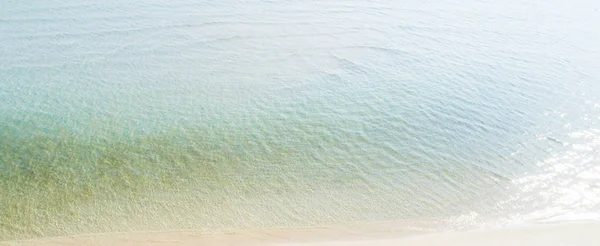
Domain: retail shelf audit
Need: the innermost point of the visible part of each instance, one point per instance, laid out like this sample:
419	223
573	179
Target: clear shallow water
142	115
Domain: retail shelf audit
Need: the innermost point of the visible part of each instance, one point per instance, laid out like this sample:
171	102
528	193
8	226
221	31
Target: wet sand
580	233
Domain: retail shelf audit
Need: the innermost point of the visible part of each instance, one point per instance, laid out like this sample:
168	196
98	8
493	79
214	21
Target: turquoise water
229	115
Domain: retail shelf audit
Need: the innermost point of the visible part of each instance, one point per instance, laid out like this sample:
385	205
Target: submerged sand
580	233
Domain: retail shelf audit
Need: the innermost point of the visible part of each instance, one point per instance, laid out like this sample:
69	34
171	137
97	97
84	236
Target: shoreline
371	230
384	234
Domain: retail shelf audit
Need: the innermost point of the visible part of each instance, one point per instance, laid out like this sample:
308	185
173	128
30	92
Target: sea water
231	115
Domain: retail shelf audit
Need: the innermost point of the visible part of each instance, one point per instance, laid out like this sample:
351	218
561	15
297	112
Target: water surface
230	115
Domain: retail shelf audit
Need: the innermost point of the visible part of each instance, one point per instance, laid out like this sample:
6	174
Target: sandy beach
580	233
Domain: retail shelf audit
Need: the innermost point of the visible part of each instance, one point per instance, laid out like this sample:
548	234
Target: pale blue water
229	115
